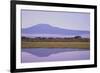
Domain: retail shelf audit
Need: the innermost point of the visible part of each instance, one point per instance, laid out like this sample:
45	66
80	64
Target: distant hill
51	31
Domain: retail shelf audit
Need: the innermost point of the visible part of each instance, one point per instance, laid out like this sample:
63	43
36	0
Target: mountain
46	29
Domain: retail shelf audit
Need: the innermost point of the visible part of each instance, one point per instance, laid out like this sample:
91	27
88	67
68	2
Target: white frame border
20	65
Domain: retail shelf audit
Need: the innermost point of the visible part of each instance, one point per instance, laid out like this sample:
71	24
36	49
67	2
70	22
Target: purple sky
67	20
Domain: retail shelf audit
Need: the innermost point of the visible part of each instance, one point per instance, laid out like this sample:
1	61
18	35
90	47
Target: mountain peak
49	29
42	25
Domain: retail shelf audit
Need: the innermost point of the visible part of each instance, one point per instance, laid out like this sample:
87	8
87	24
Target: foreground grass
46	44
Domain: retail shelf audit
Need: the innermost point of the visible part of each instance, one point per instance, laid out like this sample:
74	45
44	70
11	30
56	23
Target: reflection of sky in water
48	51
54	54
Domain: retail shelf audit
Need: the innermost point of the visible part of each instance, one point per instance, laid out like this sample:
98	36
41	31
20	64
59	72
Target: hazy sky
67	20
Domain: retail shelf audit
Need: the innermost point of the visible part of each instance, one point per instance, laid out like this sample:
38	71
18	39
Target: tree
77	37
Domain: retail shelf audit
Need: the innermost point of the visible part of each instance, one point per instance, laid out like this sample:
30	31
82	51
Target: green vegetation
55	44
